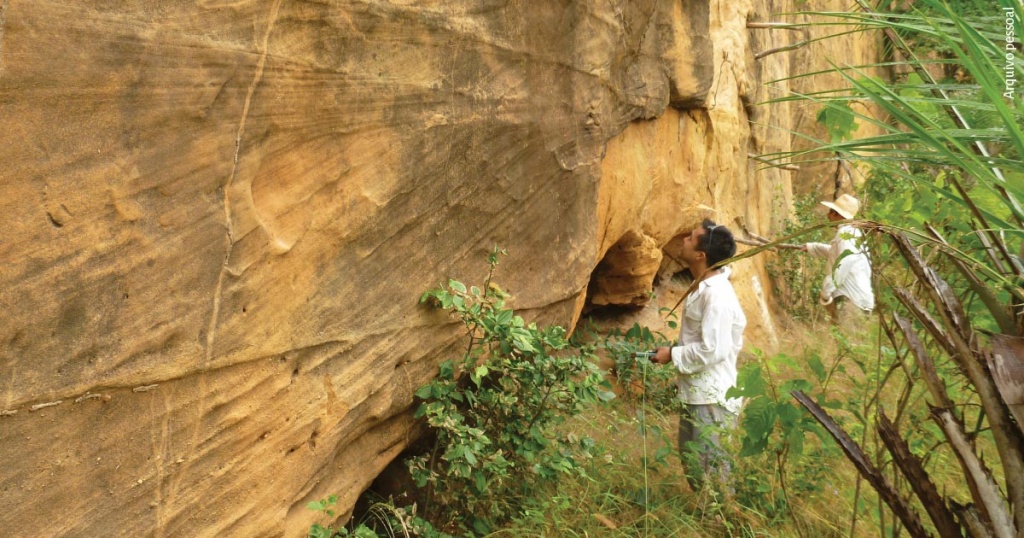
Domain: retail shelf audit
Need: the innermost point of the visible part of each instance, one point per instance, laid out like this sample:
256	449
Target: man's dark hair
717	242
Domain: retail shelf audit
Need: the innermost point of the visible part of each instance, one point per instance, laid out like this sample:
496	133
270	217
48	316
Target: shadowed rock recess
217	216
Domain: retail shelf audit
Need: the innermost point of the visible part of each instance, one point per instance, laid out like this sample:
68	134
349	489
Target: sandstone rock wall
827	47
217	217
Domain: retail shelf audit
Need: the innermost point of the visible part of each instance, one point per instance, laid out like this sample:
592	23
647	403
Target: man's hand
663	355
803	248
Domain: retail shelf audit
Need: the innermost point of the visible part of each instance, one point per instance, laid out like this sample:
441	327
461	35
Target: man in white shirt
847	277
710	338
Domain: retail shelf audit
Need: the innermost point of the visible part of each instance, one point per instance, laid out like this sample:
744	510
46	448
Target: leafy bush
796	277
384	517
774	430
495	410
649	390
635	373
319	531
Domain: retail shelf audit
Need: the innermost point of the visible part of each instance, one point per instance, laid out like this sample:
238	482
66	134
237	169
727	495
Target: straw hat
846	205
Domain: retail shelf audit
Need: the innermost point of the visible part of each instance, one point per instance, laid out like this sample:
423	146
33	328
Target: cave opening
623	280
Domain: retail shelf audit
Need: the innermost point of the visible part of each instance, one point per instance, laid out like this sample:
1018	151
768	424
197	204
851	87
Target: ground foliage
495	411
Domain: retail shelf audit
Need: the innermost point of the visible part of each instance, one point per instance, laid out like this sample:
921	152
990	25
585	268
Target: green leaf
457	286
796	384
503	317
817	367
749	382
788	416
838	119
480	482
362	531
784	360
319	531
758	421
481	526
420	411
795	440
425	392
831	404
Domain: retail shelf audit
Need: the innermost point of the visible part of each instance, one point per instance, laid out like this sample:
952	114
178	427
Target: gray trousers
700	443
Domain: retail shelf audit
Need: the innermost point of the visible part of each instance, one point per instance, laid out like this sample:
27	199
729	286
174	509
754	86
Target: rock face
827	178
218	216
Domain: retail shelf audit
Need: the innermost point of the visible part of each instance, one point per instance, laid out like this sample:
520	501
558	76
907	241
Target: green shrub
636	374
795	276
495	411
319	531
774	430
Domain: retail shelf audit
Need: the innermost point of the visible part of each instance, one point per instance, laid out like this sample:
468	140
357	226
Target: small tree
495	409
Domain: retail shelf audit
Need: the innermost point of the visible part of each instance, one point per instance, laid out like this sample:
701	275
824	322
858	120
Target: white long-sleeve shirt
710	339
852	277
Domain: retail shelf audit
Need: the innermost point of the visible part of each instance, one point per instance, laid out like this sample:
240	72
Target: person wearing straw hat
848	275
710	339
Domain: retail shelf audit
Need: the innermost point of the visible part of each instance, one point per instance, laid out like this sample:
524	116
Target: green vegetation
496	426
320	531
594	464
796	277
947	176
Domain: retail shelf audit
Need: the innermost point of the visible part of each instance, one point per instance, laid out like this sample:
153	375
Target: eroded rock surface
218	217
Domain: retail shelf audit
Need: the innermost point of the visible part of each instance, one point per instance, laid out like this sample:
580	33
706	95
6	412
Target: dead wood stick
774	25
888	493
769	52
789	246
920	482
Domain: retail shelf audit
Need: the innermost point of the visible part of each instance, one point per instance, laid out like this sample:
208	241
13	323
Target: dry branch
788	246
930	324
1001	314
774	25
920	482
985	490
931	377
769	52
963	347
1007	365
970	518
855	454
